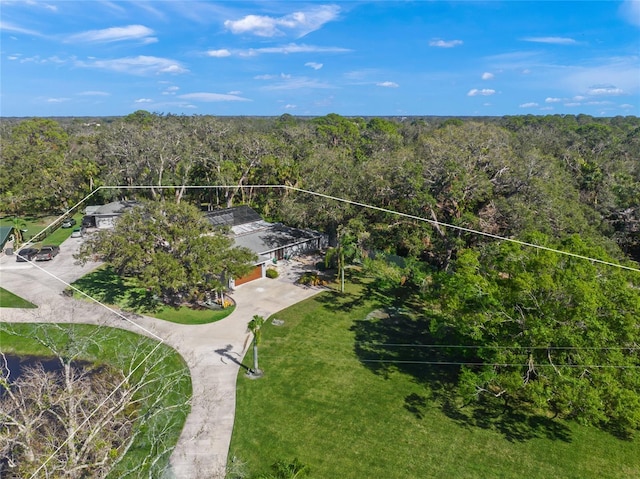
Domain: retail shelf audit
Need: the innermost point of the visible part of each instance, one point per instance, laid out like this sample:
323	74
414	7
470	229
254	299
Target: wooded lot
541	329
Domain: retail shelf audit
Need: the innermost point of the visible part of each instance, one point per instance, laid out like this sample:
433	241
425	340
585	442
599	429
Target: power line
383	210
525	364
462	346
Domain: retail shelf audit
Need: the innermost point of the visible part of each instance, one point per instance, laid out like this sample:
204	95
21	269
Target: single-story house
270	241
104	216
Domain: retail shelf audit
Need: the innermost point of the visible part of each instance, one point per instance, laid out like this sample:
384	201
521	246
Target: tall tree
172	249
552	331
35	171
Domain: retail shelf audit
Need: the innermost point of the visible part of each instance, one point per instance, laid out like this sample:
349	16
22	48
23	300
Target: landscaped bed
326	401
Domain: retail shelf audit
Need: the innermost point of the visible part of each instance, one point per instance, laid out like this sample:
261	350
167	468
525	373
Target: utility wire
385	210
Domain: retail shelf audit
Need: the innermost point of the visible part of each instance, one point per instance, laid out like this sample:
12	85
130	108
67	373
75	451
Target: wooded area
564	182
507	176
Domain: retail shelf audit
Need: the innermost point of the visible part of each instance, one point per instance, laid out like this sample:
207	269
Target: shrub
272	273
312	279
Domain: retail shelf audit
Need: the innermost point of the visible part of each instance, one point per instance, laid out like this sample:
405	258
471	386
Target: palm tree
348	250
255	326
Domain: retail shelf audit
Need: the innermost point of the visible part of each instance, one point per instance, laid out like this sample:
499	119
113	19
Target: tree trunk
255	356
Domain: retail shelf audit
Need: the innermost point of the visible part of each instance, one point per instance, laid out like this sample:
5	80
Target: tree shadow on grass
141	300
368	292
390	340
104	285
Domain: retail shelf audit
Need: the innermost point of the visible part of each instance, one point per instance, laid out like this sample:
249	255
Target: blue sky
396	58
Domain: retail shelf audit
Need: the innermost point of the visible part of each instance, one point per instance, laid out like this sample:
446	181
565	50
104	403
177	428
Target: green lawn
117	347
10	300
320	402
107	287
36	225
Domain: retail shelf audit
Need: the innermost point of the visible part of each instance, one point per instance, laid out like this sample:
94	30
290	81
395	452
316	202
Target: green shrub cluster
272	273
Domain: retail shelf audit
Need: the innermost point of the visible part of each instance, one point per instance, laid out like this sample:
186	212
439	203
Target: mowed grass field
343	417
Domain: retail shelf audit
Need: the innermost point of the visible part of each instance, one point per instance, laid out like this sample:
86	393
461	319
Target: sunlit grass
320	402
10	300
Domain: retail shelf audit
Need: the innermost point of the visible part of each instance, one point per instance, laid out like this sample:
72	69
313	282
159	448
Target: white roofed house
270	241
104	216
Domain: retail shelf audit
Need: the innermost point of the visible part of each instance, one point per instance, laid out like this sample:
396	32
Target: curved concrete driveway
212	352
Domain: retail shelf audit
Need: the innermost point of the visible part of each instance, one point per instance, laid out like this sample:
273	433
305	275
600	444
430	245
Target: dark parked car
69	223
27	254
47	253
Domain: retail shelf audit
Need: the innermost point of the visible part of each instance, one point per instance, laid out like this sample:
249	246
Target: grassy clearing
10	300
107	287
320	401
117	348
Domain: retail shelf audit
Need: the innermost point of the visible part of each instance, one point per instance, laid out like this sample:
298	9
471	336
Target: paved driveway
210	350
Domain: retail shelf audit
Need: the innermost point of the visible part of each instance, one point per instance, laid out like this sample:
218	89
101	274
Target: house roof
266	240
5	232
251	231
110	209
238	215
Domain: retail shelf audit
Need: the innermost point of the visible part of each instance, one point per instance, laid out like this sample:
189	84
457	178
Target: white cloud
601	90
10	27
271	77
223	52
57	100
573	103
297	23
445	43
630	11
115	34
291	48
388	84
552	100
615	76
143	100
529	105
210	97
171	90
93	93
627	106
140	65
290	107
314	65
483	92
487	76
296	84
234	92
552	40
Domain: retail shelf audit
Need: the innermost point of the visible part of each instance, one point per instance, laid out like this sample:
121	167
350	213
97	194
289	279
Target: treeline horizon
555	174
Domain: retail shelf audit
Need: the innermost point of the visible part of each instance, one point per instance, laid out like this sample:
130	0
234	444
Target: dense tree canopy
172	250
552	331
570	182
